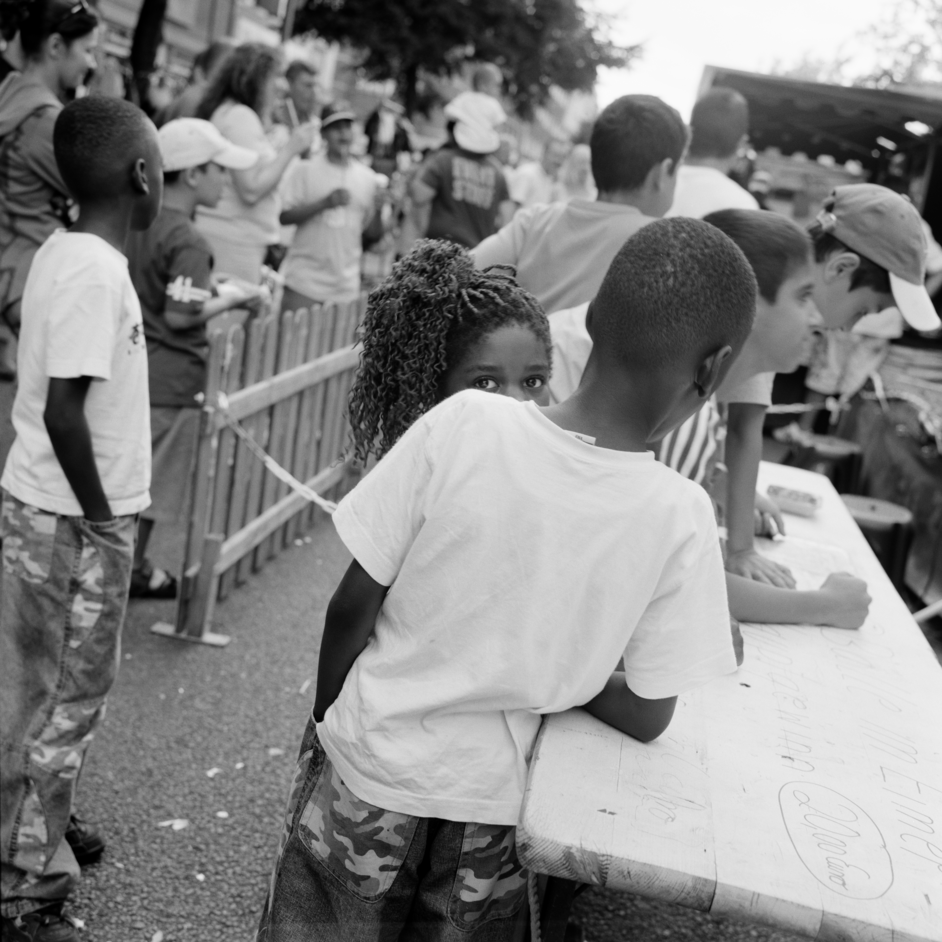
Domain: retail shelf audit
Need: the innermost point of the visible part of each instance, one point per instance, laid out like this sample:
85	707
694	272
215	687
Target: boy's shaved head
97	141
679	288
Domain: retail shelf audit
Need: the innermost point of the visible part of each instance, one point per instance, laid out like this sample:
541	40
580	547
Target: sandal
150	583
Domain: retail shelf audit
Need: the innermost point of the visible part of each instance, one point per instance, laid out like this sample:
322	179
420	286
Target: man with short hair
331	198
534	181
562	250
719	129
300	104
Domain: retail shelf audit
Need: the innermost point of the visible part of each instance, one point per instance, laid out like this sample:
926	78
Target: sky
680	37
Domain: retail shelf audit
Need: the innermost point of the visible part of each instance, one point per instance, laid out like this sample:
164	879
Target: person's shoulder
541	214
363	173
181	232
235	114
83	255
467	404
685	501
472	407
739	196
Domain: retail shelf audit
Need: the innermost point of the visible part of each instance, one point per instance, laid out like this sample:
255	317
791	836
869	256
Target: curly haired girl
437	326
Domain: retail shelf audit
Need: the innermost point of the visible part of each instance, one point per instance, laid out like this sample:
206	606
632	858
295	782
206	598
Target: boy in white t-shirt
506	556
75	479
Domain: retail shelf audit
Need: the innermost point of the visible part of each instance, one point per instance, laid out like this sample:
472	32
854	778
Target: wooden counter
803	791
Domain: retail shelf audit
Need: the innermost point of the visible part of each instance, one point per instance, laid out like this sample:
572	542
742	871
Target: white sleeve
81	326
683	640
379	519
757	390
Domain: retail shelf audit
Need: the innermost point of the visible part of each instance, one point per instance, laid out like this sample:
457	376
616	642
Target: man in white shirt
719	128
562	250
535	181
331	198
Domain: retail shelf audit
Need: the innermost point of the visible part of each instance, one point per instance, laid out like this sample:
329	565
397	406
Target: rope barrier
222	409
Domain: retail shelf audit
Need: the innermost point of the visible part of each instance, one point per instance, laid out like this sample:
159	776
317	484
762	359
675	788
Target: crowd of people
554	544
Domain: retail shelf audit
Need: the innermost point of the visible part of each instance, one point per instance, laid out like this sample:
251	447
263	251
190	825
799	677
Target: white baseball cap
192	142
474	114
887	229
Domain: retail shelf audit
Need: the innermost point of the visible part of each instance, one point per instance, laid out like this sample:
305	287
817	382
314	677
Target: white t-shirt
523	563
704	190
757	390
81	317
530	184
324	259
562	250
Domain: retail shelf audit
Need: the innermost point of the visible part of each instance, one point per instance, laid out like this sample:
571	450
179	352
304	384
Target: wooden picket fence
286	380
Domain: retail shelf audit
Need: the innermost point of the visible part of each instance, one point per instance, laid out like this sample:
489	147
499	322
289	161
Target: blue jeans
62	603
348	871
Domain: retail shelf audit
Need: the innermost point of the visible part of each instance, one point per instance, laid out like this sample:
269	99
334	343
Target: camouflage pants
62	602
348	871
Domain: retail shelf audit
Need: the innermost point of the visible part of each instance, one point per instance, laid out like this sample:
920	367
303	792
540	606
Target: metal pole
287	27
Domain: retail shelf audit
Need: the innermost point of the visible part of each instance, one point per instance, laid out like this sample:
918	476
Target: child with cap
870	253
506	556
171	266
75	479
331	198
462	188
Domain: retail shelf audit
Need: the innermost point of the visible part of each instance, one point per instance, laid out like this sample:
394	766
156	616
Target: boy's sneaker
150	583
85	840
48	924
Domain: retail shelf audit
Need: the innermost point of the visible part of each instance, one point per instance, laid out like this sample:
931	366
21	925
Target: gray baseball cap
886	228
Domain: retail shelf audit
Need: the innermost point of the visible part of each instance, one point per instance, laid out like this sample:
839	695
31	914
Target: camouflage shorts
64	594
348	870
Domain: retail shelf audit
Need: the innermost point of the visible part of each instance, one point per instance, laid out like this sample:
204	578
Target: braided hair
419	323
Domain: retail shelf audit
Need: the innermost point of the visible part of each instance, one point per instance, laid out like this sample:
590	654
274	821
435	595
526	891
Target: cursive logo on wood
838	842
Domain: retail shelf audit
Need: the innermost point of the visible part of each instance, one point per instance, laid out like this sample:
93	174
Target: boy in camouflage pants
75	479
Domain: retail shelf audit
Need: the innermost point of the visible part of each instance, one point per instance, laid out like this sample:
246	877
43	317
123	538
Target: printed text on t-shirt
473	182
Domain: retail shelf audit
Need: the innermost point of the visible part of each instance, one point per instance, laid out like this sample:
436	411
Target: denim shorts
349	871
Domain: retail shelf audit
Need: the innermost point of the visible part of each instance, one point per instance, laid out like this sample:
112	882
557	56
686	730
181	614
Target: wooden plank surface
225	462
292	407
303	444
244	459
261	424
278	437
803	791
